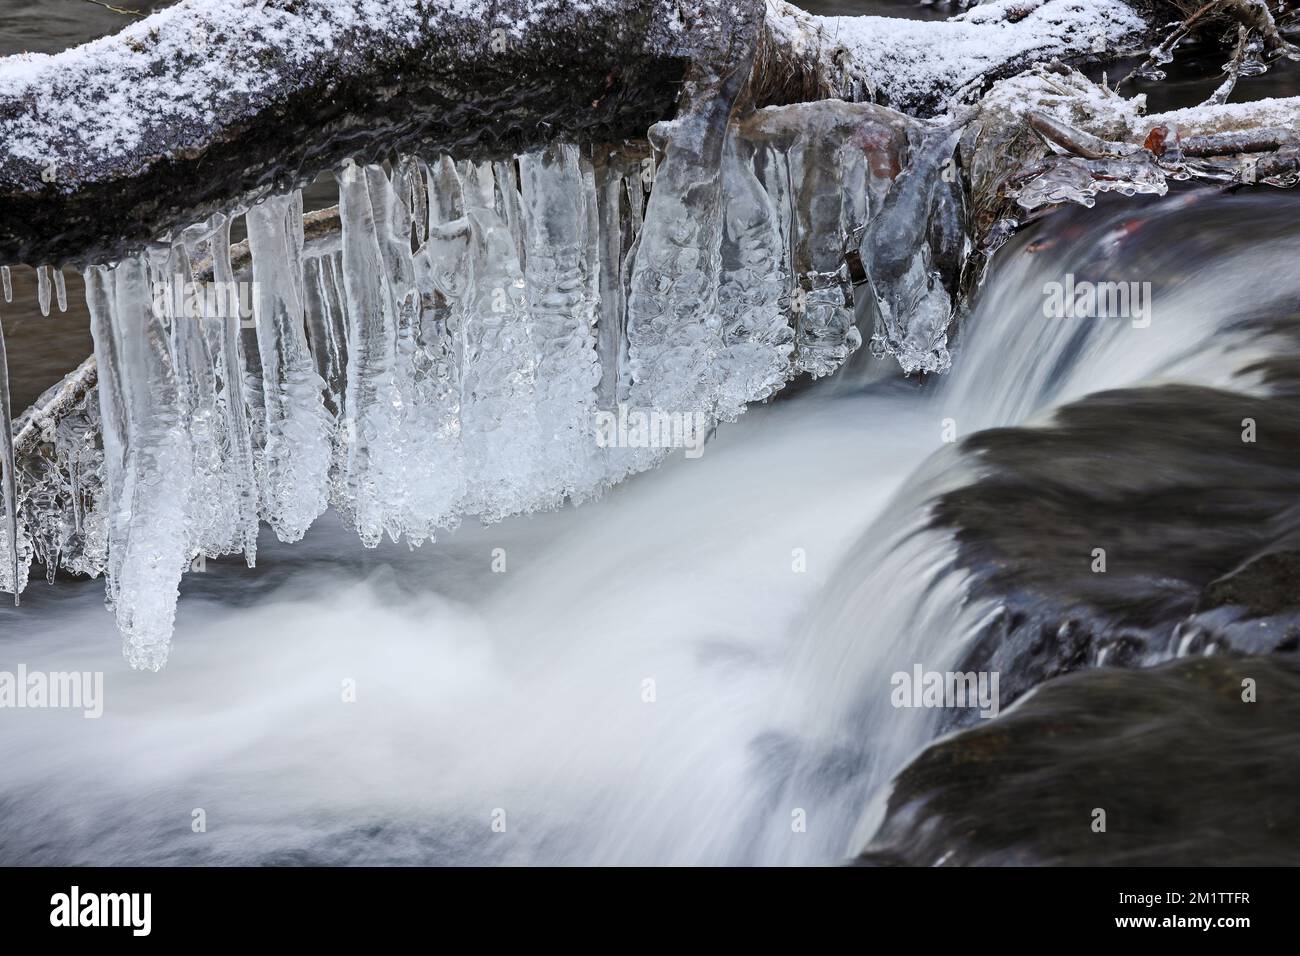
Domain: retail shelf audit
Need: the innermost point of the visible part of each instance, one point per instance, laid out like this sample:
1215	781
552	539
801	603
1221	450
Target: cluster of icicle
447	353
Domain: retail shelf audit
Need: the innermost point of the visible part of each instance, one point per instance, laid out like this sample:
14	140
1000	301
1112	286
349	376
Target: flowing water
681	672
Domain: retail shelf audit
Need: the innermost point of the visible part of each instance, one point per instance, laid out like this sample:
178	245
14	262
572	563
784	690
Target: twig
121	10
1256	140
1076	140
1232	68
1166	48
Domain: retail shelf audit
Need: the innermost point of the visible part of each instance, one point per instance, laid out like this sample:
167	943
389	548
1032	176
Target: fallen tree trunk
925	68
205	107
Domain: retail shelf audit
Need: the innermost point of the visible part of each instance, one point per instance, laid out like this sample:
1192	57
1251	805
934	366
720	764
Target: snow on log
923	68
213	101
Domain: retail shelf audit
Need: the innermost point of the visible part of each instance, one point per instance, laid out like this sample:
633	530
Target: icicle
148	542
826	334
619	200
399	462
320	307
371	429
757	338
672	324
197	327
431	482
100	298
10	468
446	192
297	452
443	261
638	186
509	207
442	265
562	288
250	354
591	256
60	290
43	289
298	238
674	333
336	329
6	280
233	377
414	194
498	369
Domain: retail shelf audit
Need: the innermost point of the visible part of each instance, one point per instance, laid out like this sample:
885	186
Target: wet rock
1268	584
1197	530
1185	768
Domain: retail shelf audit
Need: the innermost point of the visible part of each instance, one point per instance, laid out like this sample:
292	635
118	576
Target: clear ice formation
454	348
1078	180
148	451
901	257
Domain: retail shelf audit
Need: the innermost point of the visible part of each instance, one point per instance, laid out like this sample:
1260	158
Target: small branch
1164	53
1075	140
1257	140
53	405
1232	68
109	6
1256	16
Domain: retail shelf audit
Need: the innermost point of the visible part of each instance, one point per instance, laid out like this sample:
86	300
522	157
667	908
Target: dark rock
1187	772
1268	584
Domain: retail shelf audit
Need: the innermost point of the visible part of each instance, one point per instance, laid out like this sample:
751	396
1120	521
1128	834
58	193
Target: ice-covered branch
1050	135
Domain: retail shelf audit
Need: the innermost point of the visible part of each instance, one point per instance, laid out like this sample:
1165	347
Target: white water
523	691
